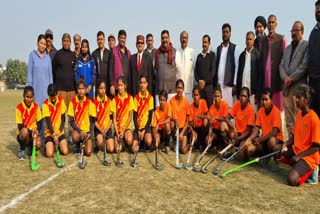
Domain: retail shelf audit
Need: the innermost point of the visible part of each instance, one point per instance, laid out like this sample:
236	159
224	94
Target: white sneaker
313	178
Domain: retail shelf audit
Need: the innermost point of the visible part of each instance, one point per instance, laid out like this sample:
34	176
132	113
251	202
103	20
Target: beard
318	16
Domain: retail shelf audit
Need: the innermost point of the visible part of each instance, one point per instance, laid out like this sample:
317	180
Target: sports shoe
313	178
225	156
70	140
275	168
77	149
22	155
28	151
96	150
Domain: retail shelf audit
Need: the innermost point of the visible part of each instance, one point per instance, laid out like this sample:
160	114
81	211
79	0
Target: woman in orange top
105	109
180	109
301	151
161	121
217	114
269	121
198	126
243	111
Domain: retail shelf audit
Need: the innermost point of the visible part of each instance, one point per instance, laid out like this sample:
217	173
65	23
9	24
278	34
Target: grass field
101	189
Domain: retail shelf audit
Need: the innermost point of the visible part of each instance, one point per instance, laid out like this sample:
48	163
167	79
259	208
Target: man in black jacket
102	59
205	71
249	69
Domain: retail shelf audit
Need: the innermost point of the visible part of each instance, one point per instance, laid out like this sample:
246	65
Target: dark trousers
315	100
207	94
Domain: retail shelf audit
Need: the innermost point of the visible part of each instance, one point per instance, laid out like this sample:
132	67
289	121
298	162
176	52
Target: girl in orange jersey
180	109
301	151
198	125
243	112
29	120
105	108
161	121
217	114
269	121
124	112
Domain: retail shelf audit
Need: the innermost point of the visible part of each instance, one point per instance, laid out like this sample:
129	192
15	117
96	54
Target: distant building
2	86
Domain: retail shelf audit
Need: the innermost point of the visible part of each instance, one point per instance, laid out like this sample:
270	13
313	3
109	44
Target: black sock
22	143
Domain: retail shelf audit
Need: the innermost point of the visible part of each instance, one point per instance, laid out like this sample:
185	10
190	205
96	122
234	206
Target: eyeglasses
140	43
49	36
295	30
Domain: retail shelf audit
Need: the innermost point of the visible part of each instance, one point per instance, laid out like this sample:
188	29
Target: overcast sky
22	21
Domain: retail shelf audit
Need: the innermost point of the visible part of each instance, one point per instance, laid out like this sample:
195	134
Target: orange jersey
194	112
123	107
221	112
161	115
54	111
142	105
104	109
306	131
180	110
28	116
268	122
81	111
244	117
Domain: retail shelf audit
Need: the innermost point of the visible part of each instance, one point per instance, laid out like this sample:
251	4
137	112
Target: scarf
163	50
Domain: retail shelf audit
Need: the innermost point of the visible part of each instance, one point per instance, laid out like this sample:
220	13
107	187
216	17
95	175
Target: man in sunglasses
50	49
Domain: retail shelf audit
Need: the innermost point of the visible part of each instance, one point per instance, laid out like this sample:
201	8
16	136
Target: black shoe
96	149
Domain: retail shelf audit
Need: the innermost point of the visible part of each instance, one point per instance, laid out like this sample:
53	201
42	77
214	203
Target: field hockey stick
118	162
59	163
105	158
196	164
34	166
188	166
256	160
204	167
134	164
179	165
82	162
217	170
157	165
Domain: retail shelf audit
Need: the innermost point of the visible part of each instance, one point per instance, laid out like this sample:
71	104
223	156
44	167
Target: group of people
223	97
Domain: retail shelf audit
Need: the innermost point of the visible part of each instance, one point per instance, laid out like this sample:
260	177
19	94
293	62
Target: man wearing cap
111	41
77	45
119	64
185	56
166	67
102	59
150	50
50	49
260	25
140	65
314	60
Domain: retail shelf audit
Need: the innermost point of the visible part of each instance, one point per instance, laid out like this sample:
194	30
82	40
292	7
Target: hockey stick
59	163
204	167
105	158
217	170
196	164
179	165
157	165
188	166
34	166
118	161
256	160
134	164
82	162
